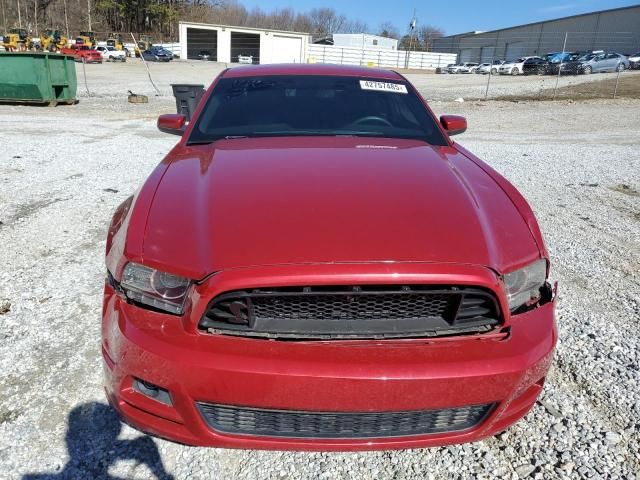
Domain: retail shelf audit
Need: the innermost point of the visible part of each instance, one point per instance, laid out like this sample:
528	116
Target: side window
599	57
612	55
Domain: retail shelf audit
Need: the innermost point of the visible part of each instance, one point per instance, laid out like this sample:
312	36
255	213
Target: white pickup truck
111	54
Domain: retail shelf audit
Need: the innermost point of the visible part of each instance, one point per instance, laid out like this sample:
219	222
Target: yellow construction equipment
143	44
115	40
86	39
17	40
53	40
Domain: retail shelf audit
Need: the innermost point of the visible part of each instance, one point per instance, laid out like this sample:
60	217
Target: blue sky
453	16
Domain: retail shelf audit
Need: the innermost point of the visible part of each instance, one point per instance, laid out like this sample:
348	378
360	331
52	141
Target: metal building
229	44
616	30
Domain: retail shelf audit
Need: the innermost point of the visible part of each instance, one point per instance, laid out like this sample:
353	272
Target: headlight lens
155	288
523	286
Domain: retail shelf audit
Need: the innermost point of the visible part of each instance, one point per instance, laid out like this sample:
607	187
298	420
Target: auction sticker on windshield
383	86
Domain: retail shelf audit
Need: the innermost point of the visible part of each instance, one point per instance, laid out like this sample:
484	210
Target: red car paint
246	213
79	53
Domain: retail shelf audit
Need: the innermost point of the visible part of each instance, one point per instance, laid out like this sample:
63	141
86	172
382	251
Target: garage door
486	54
515	50
245	47
465	55
286	49
201	40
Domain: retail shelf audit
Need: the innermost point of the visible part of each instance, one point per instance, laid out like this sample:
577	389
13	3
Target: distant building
616	30
230	44
357	40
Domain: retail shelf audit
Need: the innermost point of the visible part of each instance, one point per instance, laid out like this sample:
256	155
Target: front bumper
506	368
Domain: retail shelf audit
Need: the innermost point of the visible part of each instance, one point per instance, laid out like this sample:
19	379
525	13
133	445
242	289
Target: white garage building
226	43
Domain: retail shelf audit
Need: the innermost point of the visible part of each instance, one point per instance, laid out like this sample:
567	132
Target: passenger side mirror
453	124
172	123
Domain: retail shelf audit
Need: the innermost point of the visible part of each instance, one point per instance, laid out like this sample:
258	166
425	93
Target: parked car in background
466	67
564	60
112	54
534	66
205	55
515	67
444	69
492	68
255	298
246	59
634	61
157	54
603	62
83	54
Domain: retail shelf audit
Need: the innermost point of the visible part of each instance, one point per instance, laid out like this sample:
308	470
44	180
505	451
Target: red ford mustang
317	266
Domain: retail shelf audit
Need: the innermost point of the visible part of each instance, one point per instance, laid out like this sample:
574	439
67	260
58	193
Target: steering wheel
372	119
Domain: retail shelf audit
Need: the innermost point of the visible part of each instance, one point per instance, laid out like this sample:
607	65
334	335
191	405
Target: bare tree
388	29
426	34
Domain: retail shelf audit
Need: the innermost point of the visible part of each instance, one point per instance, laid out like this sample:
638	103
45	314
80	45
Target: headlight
155	288
523	286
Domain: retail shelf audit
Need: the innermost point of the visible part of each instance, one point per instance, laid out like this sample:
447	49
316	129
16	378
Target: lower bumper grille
297	424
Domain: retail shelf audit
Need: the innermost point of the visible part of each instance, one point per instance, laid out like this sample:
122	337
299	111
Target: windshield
588	56
297	105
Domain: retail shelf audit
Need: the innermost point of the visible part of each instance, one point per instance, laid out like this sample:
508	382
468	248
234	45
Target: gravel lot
63	171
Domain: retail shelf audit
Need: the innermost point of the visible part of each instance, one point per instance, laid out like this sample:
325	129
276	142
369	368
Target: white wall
359	40
378	58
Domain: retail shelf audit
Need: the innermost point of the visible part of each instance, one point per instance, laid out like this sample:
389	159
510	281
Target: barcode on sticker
383	86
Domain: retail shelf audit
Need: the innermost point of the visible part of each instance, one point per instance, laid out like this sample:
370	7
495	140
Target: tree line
160	18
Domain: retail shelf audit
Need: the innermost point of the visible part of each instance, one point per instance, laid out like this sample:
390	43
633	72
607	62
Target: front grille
296	424
387	311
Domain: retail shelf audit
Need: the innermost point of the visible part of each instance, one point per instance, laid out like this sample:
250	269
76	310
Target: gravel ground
63	171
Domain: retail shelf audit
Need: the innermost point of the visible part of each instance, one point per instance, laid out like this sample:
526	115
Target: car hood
269	201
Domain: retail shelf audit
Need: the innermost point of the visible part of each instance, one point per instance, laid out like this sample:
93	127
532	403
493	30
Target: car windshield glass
297	105
588	56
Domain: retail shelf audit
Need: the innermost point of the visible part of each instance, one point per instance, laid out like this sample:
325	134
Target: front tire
620	67
515	71
587	70
494	71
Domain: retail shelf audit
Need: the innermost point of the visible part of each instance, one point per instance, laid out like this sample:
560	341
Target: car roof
312	69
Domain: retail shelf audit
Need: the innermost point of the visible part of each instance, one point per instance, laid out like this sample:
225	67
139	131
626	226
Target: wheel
587	70
620	67
540	71
494	71
111	59
515	71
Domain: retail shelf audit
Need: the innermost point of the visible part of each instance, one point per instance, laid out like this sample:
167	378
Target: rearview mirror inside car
172	123
453	124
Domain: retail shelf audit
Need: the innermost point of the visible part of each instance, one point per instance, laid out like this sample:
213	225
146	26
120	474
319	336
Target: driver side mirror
172	123
453	124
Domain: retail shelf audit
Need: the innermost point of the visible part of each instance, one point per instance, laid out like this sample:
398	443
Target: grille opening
305	424
345	312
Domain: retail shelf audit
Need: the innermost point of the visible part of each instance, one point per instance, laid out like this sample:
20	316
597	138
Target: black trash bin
188	96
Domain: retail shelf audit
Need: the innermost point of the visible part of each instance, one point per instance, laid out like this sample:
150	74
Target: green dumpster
39	78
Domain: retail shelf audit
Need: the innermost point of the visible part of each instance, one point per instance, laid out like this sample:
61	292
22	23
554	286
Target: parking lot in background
108	79
64	170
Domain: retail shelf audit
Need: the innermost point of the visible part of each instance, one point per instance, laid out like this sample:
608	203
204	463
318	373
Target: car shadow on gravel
93	446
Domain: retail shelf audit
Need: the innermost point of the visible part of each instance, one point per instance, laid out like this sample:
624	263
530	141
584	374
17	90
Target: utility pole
412	26
35	15
19	16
